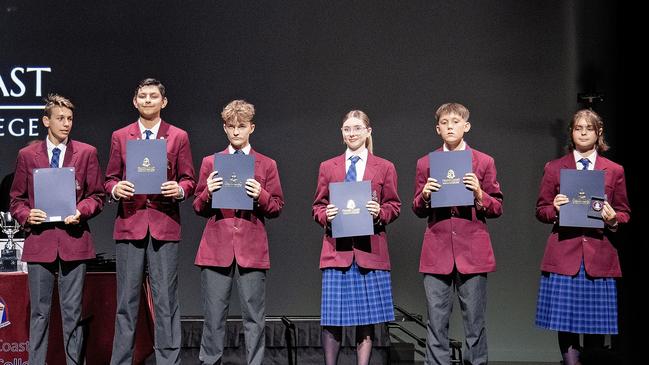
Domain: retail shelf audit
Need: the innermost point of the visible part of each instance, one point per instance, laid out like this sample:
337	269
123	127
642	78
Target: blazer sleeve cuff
263	199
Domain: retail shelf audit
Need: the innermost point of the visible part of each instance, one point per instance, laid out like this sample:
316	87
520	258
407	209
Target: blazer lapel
568	161
163	131
134	131
68	160
40	158
370	167
600	163
257	162
339	169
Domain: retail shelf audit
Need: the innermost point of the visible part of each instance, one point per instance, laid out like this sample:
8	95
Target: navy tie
56	152
351	173
148	134
584	162
239	152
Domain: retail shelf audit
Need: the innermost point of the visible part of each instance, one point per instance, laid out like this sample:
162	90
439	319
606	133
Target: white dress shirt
50	147
592	158
360	165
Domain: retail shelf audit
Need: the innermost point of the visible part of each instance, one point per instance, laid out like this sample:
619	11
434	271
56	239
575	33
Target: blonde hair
359	114
55	100
238	111
452	108
593	119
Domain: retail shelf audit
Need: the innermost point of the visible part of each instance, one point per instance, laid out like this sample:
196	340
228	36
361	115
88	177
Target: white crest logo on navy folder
450	178
233	182
146	166
351	208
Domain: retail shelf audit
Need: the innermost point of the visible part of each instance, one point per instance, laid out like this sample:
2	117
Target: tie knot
56	153
584	162
239	152
148	133
354	159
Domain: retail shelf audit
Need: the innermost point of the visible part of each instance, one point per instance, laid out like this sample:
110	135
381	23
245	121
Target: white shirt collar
62	146
362	154
461	147
245	150
592	158
50	148
153	129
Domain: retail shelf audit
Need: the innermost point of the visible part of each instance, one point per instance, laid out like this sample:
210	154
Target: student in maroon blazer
457	251
57	249
147	227
236	240
581	260
356	287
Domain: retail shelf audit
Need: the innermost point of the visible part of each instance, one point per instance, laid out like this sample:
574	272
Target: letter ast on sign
13	85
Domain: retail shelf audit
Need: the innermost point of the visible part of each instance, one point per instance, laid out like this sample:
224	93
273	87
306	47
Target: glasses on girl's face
356	129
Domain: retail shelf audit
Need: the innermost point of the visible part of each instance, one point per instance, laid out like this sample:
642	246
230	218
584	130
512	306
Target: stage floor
307	344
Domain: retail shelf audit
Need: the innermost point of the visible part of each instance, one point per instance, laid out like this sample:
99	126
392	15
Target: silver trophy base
8	260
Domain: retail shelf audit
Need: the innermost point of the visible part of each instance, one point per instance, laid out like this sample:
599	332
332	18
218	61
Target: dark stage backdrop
517	66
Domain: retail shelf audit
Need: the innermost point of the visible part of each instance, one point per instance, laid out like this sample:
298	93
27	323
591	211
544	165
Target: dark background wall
517	66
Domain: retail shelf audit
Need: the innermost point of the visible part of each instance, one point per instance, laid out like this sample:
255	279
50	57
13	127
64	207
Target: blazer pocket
431	249
481	250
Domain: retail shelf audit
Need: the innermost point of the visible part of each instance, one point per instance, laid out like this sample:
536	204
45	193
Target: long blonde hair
359	114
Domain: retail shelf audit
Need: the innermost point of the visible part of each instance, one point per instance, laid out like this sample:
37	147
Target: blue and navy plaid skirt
355	296
577	304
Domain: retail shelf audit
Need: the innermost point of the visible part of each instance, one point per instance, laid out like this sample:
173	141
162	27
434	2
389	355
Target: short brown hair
452	108
55	100
151	82
593	119
238	111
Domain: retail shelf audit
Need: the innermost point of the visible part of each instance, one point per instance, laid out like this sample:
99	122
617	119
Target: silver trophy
9	258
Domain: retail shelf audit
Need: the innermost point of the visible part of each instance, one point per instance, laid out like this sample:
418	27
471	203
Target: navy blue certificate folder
235	170
146	164
448	168
580	186
55	192
353	218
